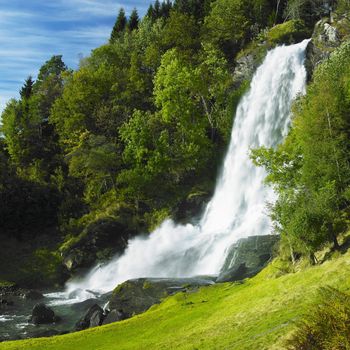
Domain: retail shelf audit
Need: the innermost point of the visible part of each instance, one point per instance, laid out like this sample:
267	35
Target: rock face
325	39
102	238
191	206
138	295
42	314
93	318
247	257
114	316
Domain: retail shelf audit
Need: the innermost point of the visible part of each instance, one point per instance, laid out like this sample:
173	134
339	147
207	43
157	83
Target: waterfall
237	208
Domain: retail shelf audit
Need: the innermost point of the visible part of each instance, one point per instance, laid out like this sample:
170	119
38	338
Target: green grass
257	314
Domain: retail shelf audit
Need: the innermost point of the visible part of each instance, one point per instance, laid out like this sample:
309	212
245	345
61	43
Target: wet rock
11	289
84	305
42	314
314	56
5	304
247	257
114	316
246	66
99	241
93	318
32	295
138	295
191	206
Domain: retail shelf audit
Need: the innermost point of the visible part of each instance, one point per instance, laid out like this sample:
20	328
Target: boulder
247	257
93	318
138	295
100	240
42	314
84	305
192	206
114	316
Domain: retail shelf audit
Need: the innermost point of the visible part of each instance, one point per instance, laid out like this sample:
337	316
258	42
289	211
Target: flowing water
237	208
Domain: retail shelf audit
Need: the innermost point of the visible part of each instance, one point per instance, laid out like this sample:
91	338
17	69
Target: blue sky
31	31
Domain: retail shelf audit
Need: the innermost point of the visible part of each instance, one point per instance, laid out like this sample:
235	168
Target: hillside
256	314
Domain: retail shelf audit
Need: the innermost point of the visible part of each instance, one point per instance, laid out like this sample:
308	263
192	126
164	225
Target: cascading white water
237	208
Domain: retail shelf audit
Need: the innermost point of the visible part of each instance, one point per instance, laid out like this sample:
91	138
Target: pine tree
119	25
27	89
133	20
150	12
165	8
157	13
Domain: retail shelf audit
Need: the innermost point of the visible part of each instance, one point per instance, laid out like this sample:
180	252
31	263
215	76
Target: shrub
326	325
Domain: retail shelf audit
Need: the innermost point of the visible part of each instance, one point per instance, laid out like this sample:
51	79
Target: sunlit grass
257	314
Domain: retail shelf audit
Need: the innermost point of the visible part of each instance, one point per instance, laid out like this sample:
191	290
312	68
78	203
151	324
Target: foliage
326	325
133	22
119	26
310	170
231	24
307	10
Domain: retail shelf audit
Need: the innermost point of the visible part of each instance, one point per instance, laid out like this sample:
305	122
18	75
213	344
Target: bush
326	325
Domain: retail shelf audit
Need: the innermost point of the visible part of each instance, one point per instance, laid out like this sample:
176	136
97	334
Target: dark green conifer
165	8
27	89
157	10
133	20
150	12
119	26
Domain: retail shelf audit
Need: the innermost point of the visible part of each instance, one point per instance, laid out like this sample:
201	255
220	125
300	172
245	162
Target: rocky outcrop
100	240
42	314
192	206
328	34
114	316
93	318
246	66
247	257
138	295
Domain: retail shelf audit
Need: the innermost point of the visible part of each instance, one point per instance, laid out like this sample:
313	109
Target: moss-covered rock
327	36
247	257
289	32
138	295
99	241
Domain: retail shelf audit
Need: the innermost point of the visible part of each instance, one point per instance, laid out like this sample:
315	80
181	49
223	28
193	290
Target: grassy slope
254	315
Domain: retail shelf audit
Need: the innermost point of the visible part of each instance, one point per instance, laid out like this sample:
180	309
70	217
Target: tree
27	89
310	171
157	9
165	8
119	25
150	12
133	20
230	22
182	32
53	67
